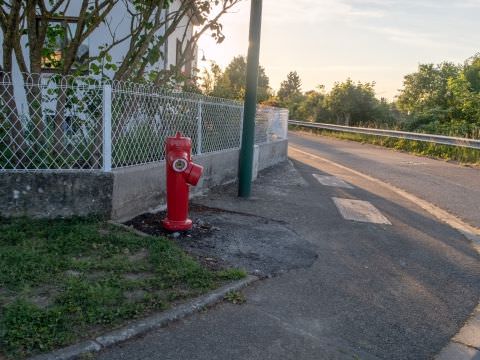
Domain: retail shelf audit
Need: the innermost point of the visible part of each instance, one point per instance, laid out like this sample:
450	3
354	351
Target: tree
387	115
471	71
312	107
210	77
352	103
443	98
290	88
39	21
231	83
464	114
427	88
290	95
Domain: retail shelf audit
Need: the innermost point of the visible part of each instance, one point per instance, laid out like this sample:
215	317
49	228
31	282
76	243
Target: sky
367	40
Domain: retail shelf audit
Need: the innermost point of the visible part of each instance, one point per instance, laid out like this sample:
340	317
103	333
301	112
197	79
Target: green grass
421	148
63	280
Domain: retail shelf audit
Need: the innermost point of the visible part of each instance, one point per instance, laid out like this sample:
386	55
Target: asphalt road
450	186
375	291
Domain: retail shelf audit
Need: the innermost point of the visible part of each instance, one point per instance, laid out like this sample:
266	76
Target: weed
235	297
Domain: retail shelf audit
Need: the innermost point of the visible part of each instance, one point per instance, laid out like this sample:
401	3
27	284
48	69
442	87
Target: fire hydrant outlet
193	174
180	165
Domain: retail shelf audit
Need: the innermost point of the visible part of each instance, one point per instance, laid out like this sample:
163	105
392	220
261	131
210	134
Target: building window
60	32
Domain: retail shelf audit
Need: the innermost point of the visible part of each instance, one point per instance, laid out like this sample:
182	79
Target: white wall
119	22
177	34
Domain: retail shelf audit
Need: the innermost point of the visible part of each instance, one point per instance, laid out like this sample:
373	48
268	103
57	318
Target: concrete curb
465	345
142	326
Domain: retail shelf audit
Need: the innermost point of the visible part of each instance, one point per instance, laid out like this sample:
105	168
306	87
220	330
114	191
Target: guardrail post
199	129
107	128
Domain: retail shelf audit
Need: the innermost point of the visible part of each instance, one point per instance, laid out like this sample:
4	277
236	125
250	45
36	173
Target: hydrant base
171	225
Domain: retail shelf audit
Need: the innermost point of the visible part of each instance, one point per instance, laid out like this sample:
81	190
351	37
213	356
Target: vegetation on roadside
63	280
438	151
231	82
437	98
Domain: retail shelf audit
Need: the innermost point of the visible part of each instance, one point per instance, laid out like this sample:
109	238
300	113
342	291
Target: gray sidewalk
343	289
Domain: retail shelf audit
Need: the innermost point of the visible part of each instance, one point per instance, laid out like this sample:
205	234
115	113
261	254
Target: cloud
432	4
340	68
445	4
418	38
315	11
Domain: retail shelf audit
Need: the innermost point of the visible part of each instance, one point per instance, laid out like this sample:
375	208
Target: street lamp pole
250	107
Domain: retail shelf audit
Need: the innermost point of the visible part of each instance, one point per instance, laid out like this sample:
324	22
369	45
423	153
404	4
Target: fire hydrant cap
194	172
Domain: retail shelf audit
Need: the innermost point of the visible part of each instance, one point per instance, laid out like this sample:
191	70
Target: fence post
107	128
199	129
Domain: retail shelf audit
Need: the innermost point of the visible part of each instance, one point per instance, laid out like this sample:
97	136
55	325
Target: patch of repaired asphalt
221	239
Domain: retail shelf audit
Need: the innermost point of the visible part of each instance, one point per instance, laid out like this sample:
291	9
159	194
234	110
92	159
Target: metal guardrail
437	139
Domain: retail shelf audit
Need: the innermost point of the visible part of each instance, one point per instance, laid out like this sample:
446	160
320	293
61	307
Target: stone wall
55	194
121	194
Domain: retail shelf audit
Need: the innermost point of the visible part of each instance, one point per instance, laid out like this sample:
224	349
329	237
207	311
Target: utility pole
250	107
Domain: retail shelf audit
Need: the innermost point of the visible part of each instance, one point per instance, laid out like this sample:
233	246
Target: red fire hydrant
181	172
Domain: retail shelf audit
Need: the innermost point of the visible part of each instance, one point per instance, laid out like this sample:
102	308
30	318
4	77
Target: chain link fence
53	122
50	122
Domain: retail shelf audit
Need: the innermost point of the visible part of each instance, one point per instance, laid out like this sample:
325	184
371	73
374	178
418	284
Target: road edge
465	345
152	322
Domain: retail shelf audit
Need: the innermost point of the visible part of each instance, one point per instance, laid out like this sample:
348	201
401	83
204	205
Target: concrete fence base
121	194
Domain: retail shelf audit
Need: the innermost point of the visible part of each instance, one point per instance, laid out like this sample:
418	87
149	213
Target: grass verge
64	280
421	148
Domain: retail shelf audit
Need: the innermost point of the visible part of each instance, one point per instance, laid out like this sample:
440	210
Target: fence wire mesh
144	116
50	122
57	122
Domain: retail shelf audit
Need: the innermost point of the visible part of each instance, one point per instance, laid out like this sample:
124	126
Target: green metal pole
250	107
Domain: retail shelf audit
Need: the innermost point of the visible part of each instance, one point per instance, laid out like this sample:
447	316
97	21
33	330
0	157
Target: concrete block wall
55	194
272	153
121	194
142	188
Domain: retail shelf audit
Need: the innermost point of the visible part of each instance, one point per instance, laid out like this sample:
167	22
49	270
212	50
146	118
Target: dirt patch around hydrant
221	239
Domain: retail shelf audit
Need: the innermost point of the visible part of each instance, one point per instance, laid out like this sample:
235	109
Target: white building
118	22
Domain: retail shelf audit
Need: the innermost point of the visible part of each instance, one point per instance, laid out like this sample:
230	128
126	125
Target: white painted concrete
469	335
359	210
456	351
332	181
